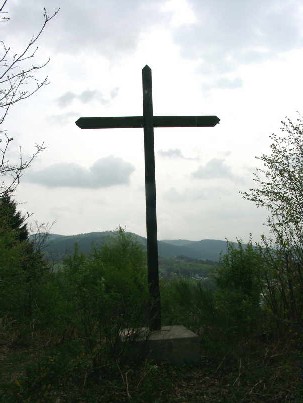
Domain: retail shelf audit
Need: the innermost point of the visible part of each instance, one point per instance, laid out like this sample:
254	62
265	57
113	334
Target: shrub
22	268
239	286
107	290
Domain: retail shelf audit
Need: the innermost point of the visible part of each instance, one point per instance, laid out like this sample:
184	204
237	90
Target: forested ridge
56	247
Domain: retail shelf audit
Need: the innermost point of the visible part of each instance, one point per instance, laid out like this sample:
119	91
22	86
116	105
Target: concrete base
173	344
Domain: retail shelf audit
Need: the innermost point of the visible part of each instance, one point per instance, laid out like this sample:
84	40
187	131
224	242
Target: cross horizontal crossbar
137	121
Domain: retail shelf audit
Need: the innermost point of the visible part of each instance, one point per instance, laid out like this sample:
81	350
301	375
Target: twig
143	376
238	377
84	381
125	381
256	384
219	366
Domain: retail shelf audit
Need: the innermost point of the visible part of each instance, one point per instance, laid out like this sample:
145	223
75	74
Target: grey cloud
86	96
216	168
89	95
173	153
114	93
105	172
226	32
111	171
106	27
240	31
228	83
63	118
194	194
66	99
174	195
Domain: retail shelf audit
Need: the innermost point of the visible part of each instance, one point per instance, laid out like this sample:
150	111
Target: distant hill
59	246
206	249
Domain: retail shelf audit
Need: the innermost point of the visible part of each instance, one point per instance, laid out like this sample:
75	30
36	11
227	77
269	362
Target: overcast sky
241	60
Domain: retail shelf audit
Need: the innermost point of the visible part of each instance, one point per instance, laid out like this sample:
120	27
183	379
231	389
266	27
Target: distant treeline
57	247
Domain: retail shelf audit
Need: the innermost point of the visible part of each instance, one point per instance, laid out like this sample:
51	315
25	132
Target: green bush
188	302
239	286
226	308
107	290
22	269
13	289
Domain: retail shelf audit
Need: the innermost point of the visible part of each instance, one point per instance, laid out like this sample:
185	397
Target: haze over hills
59	246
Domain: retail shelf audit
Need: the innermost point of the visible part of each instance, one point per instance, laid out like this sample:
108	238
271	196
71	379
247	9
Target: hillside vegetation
57	247
60	329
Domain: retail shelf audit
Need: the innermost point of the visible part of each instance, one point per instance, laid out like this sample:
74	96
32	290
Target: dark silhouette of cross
148	121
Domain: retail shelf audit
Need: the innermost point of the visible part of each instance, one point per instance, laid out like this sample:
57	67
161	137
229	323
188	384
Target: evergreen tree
11	219
22	268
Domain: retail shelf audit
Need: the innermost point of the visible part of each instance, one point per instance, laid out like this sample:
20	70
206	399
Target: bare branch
22	56
18	82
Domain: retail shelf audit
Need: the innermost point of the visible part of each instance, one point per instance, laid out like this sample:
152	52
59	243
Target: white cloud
174	153
181	12
106	27
63	118
86	96
227	33
66	99
105	172
225	82
195	194
216	168
171	153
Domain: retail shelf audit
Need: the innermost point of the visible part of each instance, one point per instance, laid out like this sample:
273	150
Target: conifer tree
11	219
22	268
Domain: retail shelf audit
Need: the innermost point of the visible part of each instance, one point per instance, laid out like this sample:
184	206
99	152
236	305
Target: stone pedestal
173	344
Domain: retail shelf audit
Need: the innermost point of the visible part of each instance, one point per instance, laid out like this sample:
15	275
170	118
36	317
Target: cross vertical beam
150	193
148	122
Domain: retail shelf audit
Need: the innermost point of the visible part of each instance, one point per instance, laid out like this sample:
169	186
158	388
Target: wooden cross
148	121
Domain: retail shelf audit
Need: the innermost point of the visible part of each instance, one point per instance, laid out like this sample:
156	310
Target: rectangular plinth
173	344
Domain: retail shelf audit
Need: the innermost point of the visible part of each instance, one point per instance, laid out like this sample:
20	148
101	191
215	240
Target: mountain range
56	247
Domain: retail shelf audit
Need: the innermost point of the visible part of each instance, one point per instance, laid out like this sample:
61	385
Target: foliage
279	184
186	267
279	189
283	285
107	290
76	354
19	80
12	277
239	286
21	267
225	308
188	302
12	219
